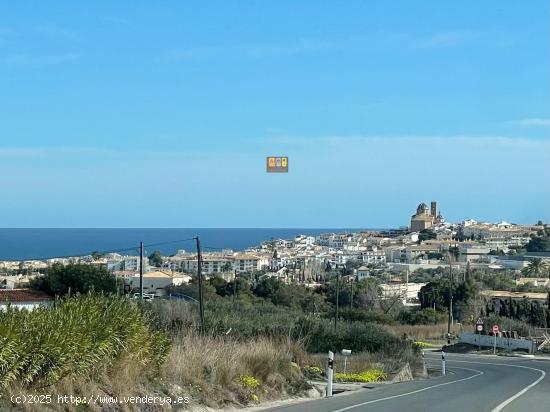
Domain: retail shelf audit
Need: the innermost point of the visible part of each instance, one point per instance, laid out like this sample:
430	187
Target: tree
466	291
537	316
97	255
539	242
275	290
536	268
435	294
155	258
220	285
426	316
366	294
75	278
226	267
426	234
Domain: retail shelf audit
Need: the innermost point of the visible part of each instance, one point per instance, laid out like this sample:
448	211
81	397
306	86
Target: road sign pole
479	341
443	369
496	329
479	329
330	371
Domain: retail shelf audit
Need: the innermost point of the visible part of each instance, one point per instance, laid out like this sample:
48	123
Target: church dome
422	208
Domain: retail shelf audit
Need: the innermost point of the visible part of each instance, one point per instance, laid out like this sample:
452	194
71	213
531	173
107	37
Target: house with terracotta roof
153	282
23	299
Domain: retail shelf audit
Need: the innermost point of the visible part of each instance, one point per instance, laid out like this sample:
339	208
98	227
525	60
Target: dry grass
212	371
209	369
431	333
364	361
357	363
125	378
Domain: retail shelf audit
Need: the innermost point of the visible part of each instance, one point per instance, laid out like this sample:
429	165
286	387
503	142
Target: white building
363	272
130	263
248	263
406	291
28	299
472	251
373	256
153	282
488	231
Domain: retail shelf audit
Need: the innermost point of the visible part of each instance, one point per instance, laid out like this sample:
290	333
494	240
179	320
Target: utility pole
337	299
510	318
235	287
407	287
199	274
450	320
141	270
351	295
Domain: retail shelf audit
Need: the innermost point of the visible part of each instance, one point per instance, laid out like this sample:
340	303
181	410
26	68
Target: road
472	384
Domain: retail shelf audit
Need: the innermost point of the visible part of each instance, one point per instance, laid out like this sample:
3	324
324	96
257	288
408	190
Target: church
425	218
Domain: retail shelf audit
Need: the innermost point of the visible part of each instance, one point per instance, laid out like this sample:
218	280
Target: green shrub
246	320
506	323
357	336
369	316
78	335
426	316
74	278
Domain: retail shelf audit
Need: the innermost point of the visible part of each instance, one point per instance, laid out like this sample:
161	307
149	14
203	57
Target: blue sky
134	114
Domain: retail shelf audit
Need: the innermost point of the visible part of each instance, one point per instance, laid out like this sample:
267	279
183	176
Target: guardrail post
443	370
330	372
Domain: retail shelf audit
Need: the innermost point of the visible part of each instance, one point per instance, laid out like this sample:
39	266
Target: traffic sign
495	328
479	321
479	327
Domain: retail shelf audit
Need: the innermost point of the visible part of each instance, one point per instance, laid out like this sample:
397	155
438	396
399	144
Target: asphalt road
472	384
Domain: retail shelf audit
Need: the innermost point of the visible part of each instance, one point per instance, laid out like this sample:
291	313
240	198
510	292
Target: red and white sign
495	328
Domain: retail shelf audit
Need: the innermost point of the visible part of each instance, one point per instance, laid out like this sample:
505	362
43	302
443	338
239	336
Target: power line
170	242
74	255
77	255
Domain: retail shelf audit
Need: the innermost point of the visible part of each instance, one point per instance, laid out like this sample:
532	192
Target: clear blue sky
160	114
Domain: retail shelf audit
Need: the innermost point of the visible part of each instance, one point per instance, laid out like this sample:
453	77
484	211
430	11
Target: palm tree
535	268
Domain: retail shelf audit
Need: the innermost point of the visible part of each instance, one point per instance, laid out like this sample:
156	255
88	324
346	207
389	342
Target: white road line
479	373
517	395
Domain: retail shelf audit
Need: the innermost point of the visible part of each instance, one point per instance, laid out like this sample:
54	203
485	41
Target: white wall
23	305
504	343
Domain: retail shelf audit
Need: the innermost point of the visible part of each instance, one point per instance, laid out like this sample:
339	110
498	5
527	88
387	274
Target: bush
356	336
75	278
505	323
372	375
369	316
426	316
79	335
244	321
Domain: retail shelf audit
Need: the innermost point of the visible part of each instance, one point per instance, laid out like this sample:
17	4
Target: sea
42	244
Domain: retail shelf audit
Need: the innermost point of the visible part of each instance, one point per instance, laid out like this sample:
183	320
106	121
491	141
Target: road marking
479	373
517	395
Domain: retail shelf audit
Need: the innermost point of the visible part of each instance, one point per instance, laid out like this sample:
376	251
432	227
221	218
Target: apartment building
372	256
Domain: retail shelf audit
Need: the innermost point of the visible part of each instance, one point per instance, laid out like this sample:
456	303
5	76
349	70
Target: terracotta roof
155	274
23	295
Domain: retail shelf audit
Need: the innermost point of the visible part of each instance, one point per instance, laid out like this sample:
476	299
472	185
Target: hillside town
393	257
